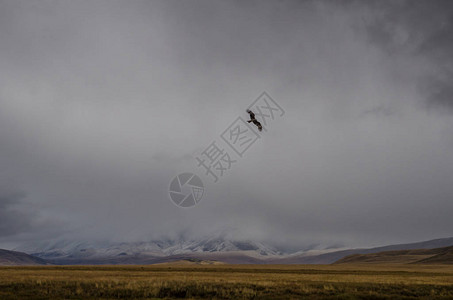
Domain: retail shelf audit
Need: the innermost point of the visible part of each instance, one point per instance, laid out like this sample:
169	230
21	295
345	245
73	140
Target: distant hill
445	257
419	256
216	249
14	258
332	257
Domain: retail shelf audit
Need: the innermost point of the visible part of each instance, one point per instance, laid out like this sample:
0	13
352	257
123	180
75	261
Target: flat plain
212	281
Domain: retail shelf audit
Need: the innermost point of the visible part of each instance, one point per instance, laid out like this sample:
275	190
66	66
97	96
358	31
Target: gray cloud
20	220
13	220
419	33
102	103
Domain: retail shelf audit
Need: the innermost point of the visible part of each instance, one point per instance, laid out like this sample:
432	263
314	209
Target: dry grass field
228	282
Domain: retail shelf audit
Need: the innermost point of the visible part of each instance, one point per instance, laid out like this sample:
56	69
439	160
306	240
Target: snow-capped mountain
161	248
218	249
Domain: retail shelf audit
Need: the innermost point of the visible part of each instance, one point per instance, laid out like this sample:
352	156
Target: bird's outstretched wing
252	115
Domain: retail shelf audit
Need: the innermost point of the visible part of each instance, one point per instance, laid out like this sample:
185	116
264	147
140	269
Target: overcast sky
102	103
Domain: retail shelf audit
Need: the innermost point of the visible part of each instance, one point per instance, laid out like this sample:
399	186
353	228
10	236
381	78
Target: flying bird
254	120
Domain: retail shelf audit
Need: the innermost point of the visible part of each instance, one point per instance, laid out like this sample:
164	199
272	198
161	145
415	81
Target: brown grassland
228	282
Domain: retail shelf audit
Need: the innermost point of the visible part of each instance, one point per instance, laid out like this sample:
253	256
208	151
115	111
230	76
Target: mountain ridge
442	255
213	249
15	258
331	257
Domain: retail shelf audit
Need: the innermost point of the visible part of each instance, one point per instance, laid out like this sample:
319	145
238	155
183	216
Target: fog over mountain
103	102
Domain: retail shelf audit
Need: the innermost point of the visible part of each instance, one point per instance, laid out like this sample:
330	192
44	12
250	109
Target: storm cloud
420	34
103	103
